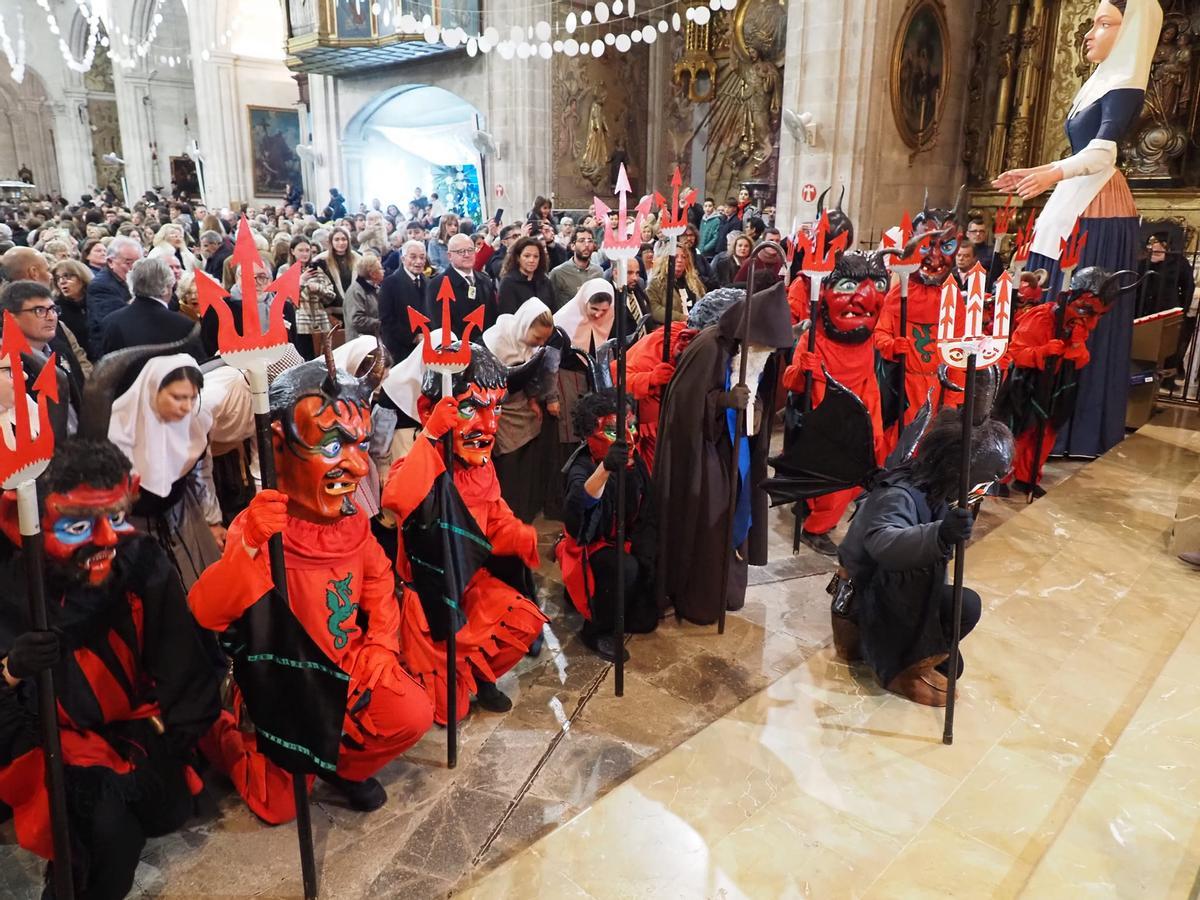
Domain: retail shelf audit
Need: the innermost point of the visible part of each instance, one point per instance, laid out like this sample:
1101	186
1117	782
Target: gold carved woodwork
975	124
1028	81
1068	70
696	69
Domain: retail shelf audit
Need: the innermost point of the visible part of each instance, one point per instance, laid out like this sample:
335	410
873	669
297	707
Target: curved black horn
110	377
821	201
379	364
331	386
959	214
925	203
1115	277
841	198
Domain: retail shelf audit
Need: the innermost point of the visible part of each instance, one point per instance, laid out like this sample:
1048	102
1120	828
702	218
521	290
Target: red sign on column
808	193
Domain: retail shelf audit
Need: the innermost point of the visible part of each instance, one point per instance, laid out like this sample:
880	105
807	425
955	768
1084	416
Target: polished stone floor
752	764
1075	769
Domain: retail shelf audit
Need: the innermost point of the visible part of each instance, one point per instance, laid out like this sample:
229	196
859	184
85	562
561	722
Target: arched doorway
26	134
415	136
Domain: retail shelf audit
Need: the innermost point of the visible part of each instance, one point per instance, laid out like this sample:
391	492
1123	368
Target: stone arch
26	131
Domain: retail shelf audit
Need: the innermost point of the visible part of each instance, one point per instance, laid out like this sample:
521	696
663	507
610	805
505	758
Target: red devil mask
852	296
81	528
937	256
478	419
1029	294
604	435
321	470
1083	311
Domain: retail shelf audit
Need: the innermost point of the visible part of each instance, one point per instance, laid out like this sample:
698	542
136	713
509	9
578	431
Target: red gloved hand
807	361
442	419
1078	354
661	374
527	550
266	515
902	346
1052	348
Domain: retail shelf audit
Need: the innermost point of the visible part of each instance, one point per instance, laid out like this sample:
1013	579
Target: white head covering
403	382
351	354
506	339
585	332
1128	65
226	397
161	452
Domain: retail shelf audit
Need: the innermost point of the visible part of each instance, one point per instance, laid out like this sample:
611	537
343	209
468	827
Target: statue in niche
593	163
1158	144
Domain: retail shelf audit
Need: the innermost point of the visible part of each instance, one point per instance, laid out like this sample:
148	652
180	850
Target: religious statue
593	164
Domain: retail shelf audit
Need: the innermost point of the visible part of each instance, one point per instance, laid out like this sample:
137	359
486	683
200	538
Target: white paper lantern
516	34
610	39
623	43
714	5
585	17
617	7
597	48
557	47
585	49
522	50
636	36
570	47
545	50
570	23
729	5
375	11
631	6
601	12
649	35
451	38
472	46
492	35
431	34
506	49
542	31
702	15
486	44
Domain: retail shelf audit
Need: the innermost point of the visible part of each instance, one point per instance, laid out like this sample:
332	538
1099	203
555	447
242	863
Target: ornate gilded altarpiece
1027	63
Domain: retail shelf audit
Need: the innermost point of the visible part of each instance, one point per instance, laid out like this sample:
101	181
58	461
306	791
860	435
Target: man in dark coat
693	460
136	689
898	548
147	320
471	288
108	292
400	291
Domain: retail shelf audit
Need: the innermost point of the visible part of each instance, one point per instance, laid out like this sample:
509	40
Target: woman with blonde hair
188	298
688	286
361	305
172	235
340	261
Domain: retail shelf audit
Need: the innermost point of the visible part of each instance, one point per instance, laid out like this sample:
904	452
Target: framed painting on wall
920	71
274	136
353	19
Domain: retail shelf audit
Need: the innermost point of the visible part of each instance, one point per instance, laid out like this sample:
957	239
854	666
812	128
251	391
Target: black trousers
110	818
972	608
640	616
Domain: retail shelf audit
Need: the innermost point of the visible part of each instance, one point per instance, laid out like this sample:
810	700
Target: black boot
603	645
819	542
491	698
365	796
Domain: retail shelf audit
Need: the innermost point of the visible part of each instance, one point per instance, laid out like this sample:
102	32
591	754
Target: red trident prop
621	247
1069	251
1024	245
904	262
447	362
968	348
820	256
1004	217
23	457
252	350
672	222
251	346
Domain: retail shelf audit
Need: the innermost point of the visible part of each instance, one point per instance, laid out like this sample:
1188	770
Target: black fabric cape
898	567
692	468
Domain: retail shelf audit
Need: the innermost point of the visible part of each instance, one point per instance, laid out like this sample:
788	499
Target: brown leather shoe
921	682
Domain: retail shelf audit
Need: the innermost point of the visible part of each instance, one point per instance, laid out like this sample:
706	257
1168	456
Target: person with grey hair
471	288
148	319
360	308
109	291
401	290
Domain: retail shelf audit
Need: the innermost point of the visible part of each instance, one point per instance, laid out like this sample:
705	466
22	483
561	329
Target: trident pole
622	433
960	549
453	593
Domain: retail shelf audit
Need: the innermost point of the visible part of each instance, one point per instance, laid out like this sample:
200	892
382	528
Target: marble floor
1075	768
752	764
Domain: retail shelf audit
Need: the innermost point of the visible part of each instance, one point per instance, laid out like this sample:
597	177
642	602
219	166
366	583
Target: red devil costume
646	376
320	676
851	298
1048	348
135	687
495	623
586	552
919	345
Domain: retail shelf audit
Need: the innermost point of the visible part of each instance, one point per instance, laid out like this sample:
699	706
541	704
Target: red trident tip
1005	216
443	356
976	296
820	253
29	454
1070	248
1003	296
948	312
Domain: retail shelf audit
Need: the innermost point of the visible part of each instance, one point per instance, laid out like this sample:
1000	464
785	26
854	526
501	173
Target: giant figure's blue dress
1111	224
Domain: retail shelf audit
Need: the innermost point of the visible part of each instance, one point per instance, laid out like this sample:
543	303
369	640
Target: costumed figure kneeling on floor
495	622
318	675
587	550
698	571
136	689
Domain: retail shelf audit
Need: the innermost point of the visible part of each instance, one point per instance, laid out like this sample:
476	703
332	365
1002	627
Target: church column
41	147
327	169
998	141
352	168
830	56
659	91
1031	60
133	112
73	145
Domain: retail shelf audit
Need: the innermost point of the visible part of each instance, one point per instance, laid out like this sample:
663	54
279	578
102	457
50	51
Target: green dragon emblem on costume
924	341
341	610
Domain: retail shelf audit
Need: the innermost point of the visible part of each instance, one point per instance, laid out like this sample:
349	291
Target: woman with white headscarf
525	441
161	425
1089	188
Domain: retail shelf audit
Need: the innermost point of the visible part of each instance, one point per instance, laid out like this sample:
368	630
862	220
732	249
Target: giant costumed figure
850	300
493	623
1089	187
135	688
